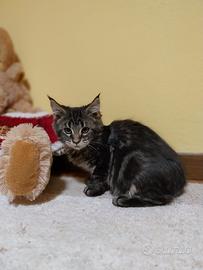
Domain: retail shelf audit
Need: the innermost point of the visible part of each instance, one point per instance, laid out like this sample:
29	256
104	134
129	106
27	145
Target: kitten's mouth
74	147
77	147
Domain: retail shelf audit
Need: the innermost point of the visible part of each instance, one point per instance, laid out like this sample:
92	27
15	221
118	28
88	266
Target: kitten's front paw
93	192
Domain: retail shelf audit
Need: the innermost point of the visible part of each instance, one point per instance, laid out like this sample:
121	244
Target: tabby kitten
126	157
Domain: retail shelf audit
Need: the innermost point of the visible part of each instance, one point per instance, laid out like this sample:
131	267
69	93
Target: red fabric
41	121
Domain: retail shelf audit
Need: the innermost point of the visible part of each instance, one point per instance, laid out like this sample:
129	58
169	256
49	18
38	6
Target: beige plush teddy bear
27	139
14	88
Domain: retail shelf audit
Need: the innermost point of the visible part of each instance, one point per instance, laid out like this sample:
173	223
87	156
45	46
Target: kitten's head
77	126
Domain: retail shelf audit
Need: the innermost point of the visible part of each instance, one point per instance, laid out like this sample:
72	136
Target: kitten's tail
140	201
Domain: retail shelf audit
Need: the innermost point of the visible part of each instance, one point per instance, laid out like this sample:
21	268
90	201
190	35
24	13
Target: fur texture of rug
63	229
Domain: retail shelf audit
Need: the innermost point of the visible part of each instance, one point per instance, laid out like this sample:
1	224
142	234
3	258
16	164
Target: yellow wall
144	56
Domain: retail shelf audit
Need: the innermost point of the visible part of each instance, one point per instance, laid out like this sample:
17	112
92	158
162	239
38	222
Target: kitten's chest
82	160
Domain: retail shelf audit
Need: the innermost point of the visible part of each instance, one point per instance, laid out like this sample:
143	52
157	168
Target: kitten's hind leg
139	200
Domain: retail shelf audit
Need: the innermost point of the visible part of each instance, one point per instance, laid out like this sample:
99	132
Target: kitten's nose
76	141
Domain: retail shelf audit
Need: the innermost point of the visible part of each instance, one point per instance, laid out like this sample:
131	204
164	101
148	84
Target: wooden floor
196	181
193	165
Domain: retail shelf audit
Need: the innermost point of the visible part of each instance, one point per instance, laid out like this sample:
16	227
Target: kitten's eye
85	130
67	130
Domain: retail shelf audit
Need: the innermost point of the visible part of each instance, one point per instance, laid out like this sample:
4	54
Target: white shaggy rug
65	230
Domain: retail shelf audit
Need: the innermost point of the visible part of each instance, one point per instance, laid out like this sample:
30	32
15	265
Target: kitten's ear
94	107
57	109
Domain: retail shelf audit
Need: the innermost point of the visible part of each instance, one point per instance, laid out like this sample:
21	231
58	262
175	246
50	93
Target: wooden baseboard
193	165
